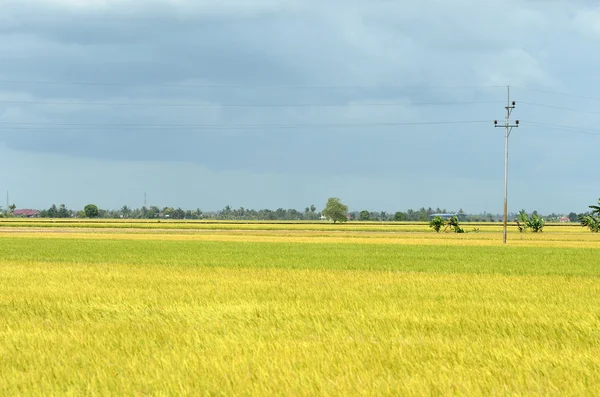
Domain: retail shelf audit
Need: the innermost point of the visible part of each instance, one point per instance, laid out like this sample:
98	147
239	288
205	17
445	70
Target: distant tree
423	215
179	213
63	212
51	212
226	213
280	213
91	211
12	208
364	215
400	216
125	211
313	208
152	212
572	217
335	210
436	223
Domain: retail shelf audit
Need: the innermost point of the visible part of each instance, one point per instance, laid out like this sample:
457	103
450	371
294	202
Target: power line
216	105
226	126
566	128
558	93
558	108
121	84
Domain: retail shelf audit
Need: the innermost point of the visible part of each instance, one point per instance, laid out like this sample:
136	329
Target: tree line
310	213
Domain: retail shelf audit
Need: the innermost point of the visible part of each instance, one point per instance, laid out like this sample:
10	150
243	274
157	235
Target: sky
386	104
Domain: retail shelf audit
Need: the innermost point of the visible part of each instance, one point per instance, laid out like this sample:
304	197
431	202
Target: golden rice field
117	308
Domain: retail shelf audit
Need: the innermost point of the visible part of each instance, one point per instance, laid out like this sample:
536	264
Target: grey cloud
139	47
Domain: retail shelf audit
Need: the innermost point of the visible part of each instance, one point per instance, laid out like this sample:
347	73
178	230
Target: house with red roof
26	213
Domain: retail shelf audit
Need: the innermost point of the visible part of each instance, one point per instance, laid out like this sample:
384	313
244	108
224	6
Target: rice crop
297	312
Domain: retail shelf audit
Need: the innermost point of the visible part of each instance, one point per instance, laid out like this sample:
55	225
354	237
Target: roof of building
26	212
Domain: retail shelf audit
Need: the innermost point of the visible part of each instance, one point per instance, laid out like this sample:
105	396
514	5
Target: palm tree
125	210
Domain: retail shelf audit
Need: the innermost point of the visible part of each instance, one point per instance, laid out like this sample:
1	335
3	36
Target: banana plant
592	220
436	223
596	208
453	224
534	222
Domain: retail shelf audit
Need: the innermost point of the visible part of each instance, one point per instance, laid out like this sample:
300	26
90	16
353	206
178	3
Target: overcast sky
386	104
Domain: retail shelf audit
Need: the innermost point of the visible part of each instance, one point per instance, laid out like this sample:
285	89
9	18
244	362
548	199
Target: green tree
52	212
572	217
364	215
168	212
400	216
152	212
126	211
335	210
436	223
63	212
91	211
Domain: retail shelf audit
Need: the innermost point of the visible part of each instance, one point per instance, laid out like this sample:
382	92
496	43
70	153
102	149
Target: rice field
297	309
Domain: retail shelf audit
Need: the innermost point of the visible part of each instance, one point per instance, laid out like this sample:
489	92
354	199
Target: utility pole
508	128
145	196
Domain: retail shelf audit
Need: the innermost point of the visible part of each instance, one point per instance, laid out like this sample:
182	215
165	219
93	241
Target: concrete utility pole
509	108
145	197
